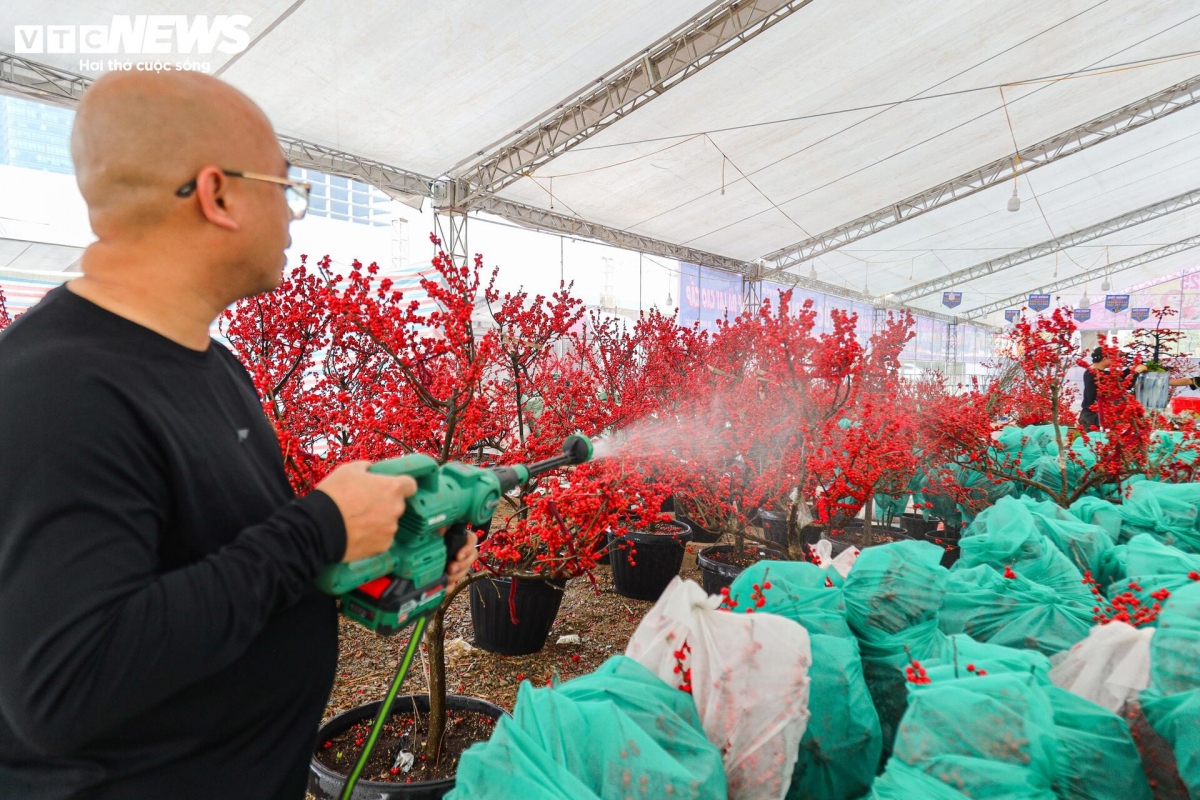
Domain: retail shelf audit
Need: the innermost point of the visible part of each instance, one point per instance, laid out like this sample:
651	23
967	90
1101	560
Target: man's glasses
296	192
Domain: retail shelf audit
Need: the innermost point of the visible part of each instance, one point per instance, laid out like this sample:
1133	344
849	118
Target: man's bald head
138	136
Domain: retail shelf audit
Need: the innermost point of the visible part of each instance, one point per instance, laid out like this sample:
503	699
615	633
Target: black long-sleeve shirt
159	632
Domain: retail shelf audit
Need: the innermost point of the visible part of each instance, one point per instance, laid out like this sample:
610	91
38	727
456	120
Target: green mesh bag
933	491
1084	543
1166	511
979	492
798	591
1026	445
1172	703
1151	566
1096	755
1113	568
1008	534
615	733
902	782
1014	612
1166	446
889	507
892	598
1097	511
842	743
964	652
990	738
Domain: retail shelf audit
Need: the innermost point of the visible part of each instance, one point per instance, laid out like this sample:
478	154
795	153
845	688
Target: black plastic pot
656	558
536	603
947	541
917	526
716	574
775	527
668	506
325	784
700	535
839	544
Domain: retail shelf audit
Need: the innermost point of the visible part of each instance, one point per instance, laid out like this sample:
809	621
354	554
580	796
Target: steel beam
1050	246
884	302
25	78
1101	129
543	220
550	222
399	184
715	32
451	228
1084	277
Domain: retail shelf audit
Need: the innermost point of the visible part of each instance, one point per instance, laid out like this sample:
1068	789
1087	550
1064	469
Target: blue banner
1011	315
951	299
1039	302
1082	314
1116	303
1139	314
707	295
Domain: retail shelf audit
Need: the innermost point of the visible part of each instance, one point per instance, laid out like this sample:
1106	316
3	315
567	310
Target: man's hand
371	506
466	557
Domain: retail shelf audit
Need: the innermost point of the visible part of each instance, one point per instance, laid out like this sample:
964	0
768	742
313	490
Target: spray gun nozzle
578	448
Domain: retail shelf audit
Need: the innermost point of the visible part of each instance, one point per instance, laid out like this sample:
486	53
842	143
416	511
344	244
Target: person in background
1089	418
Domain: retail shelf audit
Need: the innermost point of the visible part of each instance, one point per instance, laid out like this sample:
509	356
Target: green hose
385	708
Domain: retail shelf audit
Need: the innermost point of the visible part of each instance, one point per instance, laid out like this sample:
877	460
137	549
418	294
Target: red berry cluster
979	672
684	672
1125	606
915	673
1008	572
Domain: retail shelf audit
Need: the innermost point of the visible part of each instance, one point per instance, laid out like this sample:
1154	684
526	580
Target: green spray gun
404	584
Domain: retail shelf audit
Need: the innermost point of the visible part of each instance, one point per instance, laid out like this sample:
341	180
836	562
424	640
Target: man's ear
214	197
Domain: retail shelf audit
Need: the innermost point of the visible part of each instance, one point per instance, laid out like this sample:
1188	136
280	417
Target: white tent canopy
796	131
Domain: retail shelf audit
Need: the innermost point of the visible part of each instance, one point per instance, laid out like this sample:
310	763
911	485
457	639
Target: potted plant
1156	348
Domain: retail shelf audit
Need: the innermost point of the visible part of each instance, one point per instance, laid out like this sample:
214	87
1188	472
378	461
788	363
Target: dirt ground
603	623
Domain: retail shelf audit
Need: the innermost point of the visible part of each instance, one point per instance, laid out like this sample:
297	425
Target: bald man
159	631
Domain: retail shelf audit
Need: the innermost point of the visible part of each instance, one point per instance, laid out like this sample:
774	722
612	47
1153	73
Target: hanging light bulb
1106	285
670	300
1014	202
1084	302
812	272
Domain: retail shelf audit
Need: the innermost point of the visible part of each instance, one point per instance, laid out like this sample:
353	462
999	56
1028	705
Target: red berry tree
349	368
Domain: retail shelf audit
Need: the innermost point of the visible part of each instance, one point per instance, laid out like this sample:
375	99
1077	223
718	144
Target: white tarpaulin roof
429	86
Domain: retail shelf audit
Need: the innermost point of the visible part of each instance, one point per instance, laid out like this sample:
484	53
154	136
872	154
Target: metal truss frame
1101	129
26	78
551	222
399	184
705	38
1050	246
1084	277
451	228
952	350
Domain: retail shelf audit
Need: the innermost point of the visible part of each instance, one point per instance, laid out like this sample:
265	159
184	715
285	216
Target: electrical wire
883	111
1084	73
910	147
